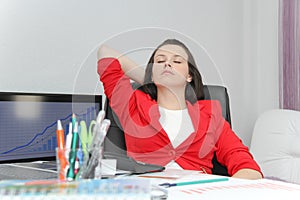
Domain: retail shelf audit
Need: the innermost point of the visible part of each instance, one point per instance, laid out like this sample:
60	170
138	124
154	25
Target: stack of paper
91	189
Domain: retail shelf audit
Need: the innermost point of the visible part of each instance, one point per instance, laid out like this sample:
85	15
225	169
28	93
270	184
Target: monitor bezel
47	97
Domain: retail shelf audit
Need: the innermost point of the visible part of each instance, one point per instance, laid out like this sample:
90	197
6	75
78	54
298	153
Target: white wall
260	78
49	46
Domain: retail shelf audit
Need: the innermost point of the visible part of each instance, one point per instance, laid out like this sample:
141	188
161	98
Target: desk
231	189
237	189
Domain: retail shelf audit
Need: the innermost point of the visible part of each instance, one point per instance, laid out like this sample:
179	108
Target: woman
166	121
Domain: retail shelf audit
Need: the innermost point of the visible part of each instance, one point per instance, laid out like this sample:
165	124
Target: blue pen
80	152
80	155
79	161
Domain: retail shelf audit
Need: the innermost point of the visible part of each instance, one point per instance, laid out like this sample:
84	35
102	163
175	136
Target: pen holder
71	163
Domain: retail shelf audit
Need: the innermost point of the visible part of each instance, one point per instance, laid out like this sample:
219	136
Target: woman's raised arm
129	67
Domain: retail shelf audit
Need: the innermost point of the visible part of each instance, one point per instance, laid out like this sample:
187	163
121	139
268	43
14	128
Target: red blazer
148	142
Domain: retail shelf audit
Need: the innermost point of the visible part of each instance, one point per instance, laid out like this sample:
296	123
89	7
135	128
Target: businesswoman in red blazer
166	121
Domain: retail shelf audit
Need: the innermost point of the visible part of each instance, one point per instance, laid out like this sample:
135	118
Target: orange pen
60	135
60	150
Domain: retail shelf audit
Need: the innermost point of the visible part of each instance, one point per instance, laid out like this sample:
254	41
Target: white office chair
275	144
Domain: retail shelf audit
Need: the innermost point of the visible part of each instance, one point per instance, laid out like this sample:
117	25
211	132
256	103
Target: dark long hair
193	90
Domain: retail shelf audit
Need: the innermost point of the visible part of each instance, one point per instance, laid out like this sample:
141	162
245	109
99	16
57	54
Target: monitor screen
28	122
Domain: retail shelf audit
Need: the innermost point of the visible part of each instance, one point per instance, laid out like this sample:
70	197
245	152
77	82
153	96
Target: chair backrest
115	140
216	92
275	144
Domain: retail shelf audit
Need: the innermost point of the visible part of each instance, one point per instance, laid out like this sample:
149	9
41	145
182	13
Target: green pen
195	182
72	157
73	121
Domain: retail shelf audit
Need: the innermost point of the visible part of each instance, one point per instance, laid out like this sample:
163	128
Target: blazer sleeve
117	86
230	151
122	97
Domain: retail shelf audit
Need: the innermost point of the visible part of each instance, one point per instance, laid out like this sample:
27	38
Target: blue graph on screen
36	135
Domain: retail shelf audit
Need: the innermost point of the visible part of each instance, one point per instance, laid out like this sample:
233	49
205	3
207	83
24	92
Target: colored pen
72	158
60	135
73	121
60	153
195	182
69	137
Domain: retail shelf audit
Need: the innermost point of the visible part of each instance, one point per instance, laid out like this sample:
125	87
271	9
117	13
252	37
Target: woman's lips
166	72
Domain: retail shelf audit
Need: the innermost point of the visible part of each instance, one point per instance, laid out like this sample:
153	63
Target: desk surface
237	189
230	188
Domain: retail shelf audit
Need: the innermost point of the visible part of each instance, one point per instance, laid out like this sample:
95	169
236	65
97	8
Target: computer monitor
28	122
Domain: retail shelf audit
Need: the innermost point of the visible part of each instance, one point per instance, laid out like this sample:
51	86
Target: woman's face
170	67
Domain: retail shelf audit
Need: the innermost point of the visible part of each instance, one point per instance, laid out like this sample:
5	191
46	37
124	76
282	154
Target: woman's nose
168	63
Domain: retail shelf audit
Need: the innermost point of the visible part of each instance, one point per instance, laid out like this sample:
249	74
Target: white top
178	125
